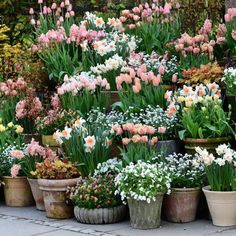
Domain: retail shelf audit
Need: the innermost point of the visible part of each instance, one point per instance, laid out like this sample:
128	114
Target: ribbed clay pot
17	192
210	144
100	216
48	140
222	206
55	199
181	205
37	194
145	215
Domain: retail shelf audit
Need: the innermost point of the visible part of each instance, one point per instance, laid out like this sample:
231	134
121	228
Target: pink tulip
161	70
31	11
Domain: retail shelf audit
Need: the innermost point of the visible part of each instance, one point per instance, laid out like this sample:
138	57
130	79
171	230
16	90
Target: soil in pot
181	205
17	192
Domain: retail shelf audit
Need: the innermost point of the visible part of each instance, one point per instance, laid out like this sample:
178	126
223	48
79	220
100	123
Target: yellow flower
19	129
180	99
10	125
2	128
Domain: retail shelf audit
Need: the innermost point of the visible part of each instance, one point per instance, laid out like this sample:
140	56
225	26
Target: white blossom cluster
229	79
143	181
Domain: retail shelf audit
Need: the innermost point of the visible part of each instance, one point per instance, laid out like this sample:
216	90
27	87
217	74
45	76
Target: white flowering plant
165	125
143	181
85	145
229	79
220	167
186	171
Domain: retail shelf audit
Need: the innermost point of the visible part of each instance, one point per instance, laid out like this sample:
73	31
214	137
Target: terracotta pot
37	194
17	192
100	216
222	206
170	146
48	140
209	144
55	199
181	205
231	99
145	215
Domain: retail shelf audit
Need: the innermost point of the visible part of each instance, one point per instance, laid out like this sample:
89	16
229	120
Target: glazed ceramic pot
37	194
100	216
210	144
181	205
55	198
145	215
17	192
222	206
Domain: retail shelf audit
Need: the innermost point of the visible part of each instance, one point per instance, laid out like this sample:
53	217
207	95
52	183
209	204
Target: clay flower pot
100	216
55	199
17	192
145	215
210	144
48	140
222	206
181	205
37	194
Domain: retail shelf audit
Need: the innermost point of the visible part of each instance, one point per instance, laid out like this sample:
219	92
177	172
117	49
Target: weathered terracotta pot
48	140
145	215
100	216
37	194
209	144
222	206
170	146
17	192
55	199
181	205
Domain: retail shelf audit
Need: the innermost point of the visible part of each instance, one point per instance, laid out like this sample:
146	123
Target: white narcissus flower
220	161
90	142
221	149
66	133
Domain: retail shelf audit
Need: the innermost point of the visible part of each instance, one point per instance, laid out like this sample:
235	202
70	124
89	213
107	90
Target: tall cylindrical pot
37	194
145	215
17	192
222	206
55	198
181	205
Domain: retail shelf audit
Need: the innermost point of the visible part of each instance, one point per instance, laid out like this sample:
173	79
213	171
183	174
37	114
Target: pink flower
234	34
126	141
55	102
18	154
167	8
34	149
132	73
227	18
54	6
40	1
136	18
15	170
31	11
174	78
144	139
156	81
161	70
161	130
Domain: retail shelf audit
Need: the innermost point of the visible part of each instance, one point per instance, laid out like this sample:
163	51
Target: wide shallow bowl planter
232	101
170	146
181	205
37	194
100	216
209	144
17	192
145	215
222	206
55	199
48	140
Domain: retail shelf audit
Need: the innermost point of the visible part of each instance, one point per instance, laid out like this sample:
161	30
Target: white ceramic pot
222	206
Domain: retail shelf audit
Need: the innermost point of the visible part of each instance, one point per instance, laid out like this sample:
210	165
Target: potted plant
33	154
139	142
203	121
54	177
17	191
95	200
187	175
164	124
220	170
143	185
229	79
85	145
